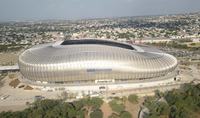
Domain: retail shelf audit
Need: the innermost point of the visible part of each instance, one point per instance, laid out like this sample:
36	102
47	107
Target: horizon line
95	18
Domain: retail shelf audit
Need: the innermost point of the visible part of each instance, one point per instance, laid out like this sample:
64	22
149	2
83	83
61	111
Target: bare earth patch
14	83
133	108
13	108
28	88
106	109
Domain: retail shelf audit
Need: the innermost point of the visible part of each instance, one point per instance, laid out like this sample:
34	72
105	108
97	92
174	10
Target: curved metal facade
77	62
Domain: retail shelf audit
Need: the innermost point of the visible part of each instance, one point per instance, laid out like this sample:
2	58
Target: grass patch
117	106
133	98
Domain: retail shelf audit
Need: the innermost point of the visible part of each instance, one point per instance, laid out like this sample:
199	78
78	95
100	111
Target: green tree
96	114
133	98
180	103
117	106
125	114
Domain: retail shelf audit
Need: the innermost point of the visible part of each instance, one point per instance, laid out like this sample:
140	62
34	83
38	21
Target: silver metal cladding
90	60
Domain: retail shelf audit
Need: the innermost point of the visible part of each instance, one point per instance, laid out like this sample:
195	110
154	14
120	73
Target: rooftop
97	42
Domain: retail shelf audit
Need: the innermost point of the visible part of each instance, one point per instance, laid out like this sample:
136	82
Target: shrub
133	98
96	114
116	106
125	114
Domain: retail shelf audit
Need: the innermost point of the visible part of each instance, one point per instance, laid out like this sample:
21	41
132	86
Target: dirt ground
17	97
13	108
134	108
106	109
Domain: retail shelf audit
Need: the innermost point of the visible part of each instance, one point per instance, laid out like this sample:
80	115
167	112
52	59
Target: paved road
9	68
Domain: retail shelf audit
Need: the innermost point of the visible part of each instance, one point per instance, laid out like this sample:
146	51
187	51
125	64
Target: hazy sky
11	10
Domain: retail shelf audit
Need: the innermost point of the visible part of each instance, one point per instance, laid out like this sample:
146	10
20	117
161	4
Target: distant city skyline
23	10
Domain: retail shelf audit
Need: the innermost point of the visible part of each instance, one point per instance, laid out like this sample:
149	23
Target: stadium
95	62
